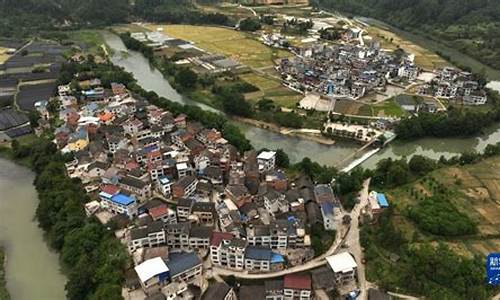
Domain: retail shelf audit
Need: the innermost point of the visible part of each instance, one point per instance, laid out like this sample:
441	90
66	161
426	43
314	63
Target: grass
389	108
423	57
4	294
271	88
129	28
231	43
93	39
474	190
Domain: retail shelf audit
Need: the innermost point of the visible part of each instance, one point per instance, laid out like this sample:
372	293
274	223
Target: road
351	236
250	9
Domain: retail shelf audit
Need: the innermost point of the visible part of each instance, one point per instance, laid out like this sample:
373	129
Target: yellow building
78	140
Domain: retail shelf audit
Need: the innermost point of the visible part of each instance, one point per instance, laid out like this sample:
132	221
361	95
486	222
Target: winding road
346	233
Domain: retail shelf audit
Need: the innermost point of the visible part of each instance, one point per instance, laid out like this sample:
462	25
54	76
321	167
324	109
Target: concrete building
227	251
266	161
344	267
297	286
153	274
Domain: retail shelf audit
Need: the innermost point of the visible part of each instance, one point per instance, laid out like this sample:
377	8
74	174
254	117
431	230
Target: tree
250	24
266	104
186	78
421	165
282	159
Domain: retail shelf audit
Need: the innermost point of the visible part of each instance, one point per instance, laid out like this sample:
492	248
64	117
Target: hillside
449	213
472	27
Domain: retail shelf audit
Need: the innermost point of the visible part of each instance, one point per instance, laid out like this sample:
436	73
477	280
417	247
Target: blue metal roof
122	199
382	200
277	258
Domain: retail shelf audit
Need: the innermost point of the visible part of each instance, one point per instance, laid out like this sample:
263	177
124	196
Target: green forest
20	18
471	26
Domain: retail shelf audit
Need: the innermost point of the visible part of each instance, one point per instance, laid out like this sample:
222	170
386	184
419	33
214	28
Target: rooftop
342	262
150	268
297	282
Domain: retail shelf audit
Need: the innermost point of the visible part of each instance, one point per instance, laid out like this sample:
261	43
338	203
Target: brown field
475	189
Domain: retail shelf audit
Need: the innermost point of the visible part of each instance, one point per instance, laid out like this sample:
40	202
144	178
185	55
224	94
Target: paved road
314	263
352	237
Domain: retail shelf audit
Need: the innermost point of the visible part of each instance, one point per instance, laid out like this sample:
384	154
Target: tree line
94	260
20	18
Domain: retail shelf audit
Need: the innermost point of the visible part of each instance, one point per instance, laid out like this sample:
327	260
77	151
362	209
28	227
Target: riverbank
308	134
4	294
32	270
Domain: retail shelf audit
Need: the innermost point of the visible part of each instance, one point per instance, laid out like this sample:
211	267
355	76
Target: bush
439	216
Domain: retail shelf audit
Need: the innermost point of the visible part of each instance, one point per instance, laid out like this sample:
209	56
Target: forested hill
472	26
26	17
18	17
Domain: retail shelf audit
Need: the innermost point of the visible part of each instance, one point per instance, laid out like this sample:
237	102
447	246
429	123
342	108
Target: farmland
474	190
271	88
234	44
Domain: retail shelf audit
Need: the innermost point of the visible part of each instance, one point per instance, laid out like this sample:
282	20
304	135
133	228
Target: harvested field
347	107
231	43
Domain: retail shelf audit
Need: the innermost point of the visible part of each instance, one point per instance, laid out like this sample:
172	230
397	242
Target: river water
297	148
32	269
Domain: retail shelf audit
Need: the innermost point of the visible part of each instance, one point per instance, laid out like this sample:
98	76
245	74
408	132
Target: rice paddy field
234	44
476	192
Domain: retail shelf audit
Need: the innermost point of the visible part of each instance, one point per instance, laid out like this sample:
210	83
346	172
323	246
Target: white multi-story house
344	267
177	235
258	259
118	203
227	251
297	286
266	161
148	236
164	186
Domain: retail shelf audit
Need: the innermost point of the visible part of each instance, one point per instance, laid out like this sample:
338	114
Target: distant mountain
472	26
19	16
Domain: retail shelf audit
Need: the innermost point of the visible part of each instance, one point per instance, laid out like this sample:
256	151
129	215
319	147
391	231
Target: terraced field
475	191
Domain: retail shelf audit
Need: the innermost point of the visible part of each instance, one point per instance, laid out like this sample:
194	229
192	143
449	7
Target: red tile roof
110	189
217	237
157	212
297	282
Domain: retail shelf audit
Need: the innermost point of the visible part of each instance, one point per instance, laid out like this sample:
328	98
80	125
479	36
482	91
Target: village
191	210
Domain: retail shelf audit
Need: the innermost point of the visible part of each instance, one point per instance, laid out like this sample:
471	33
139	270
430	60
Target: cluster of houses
345	71
182	192
455	85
